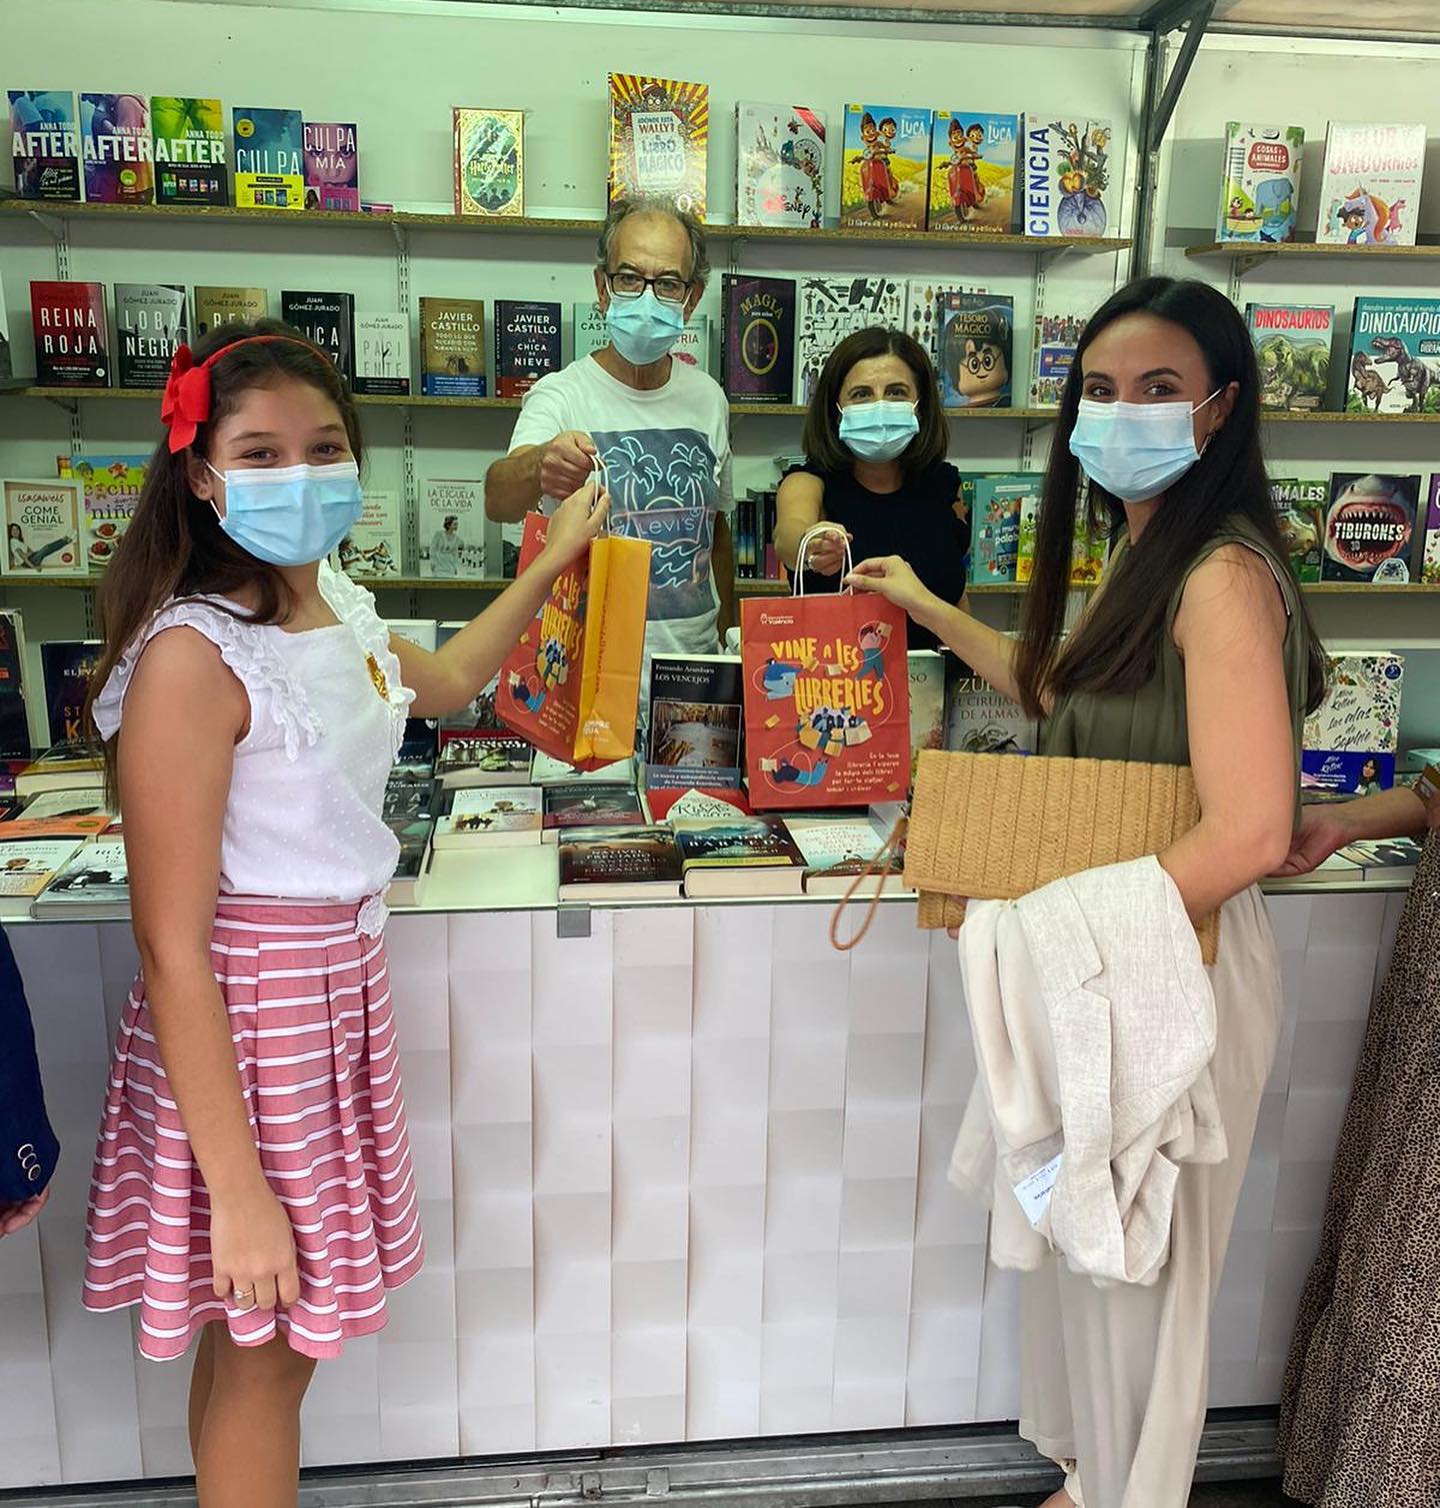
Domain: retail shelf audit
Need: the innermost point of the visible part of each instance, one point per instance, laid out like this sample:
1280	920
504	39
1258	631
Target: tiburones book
452	347
1370	527
489	162
332	166
659	135
327	319
116	147
269	159
149	325
189	143
780	175
72	337
45	143
758	338
527	344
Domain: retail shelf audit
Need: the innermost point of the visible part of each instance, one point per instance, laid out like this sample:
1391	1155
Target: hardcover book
1351	739
63	767
758	338
826	843
591	333
1394	356
1067	176
692	346
451	527
780	168
1370	193
972	171
977	343
696	714
1292	348
1370	527
332	166
72	336
112	487
189	148
228	306
374	549
884	180
382	355
979	719
924	309
1430	557
508	816
741	856
995	527
116	147
927	702
599	864
452	347
14	720
1053	353
482	761
830	308
43	528
45	143
66	666
489	162
659	138
150	324
328	320
269	159
1260	185
27	867
95	883
586	803
1300	509
527	344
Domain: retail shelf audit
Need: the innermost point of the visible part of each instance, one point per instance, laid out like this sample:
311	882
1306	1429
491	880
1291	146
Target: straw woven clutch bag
997	826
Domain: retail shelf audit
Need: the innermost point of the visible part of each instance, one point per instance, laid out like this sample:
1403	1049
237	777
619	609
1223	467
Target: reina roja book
117	150
452	347
382	355
884	181
972	171
1394	356
150	325
228	306
1292	347
527	344
780	177
1066	170
757	339
1370	528
332	166
659	136
489	162
373	549
72	336
1370	193
1260	187
45	144
328	319
43	528
112	484
189	149
977	344
269	159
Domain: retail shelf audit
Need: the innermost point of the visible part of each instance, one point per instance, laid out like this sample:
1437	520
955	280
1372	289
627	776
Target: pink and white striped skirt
308	996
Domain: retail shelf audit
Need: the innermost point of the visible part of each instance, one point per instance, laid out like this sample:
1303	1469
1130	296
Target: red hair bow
186	404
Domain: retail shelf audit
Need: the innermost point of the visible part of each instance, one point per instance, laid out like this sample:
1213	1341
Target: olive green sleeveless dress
1114	1380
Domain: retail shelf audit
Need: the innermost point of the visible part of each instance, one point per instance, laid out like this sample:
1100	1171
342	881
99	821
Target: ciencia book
189	149
1067	166
977	344
527	344
972	171
1370	191
382	355
150	323
45	144
43	528
72	336
757	339
1394	356
489	162
659	139
1292	349
452	347
327	319
269	159
1260	184
1370	527
780	168
116	147
884	180
332	166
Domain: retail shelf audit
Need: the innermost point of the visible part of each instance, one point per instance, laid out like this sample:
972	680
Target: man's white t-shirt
666	454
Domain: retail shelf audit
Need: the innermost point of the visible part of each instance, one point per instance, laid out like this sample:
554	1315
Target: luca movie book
44	528
72	335
450	522
696	707
1395	356
1260	186
1065	169
527	344
1292	348
995	527
269	159
1053	353
112	486
1370	528
332	166
45	143
452	347
830	308
780	167
189	149
884	182
382	355
228	306
1430	550
327	319
373	548
659	136
149	326
489	162
116	148
972	170
1370	193
1300	509
757	340
1350	741
977	343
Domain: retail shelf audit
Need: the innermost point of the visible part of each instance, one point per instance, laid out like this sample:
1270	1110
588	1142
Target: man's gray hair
621	211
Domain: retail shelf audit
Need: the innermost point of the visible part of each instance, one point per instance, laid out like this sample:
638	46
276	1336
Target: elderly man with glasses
656	428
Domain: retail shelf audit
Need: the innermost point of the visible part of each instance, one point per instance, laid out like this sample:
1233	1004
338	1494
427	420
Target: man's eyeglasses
668	289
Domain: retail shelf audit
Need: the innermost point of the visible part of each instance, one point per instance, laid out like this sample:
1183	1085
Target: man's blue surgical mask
644	329
878	431
1135	450
290	515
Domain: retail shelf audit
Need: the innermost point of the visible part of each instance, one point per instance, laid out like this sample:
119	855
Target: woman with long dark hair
1197	650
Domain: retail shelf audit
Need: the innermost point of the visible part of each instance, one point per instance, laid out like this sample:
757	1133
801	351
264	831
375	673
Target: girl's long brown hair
175	546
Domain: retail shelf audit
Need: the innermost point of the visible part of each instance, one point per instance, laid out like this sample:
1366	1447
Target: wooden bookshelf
1262	251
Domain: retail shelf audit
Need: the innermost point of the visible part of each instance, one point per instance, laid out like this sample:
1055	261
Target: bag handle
872	867
813	532
602	484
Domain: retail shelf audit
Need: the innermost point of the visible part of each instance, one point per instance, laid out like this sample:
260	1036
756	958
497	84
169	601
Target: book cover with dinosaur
1394	365
1292	347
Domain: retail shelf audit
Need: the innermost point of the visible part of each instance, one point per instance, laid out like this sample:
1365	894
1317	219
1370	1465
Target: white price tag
1033	1191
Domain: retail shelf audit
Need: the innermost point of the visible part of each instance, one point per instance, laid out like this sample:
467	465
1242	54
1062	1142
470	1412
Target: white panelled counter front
683	1178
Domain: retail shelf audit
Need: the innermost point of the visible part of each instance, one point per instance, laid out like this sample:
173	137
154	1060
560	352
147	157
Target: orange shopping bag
572	684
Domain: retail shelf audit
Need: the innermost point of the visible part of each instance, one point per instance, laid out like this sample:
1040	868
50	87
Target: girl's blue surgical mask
290	515
644	329
878	431
1136	450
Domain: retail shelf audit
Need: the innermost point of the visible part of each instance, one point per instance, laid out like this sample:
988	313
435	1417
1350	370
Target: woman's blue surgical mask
644	329
878	431
290	515
1135	450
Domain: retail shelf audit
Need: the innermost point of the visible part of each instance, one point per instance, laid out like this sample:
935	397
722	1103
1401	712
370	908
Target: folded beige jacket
1094	1027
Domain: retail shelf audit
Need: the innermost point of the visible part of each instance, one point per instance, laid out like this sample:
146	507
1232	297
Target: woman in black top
875	441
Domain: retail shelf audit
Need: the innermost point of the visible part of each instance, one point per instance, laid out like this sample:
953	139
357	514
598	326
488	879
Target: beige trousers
1114	1380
